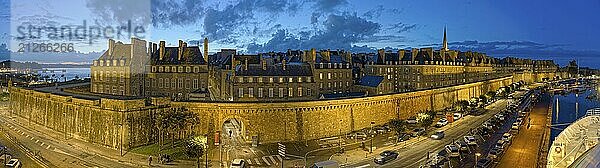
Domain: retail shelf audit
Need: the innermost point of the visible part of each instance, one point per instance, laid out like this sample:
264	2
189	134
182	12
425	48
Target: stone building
120	70
177	72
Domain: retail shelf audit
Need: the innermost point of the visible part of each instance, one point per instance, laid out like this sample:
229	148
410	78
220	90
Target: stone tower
206	49
445	44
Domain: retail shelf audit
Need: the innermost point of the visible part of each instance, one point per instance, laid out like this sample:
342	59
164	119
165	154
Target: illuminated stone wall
99	121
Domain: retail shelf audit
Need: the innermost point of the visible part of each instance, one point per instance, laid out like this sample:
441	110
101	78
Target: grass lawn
176	151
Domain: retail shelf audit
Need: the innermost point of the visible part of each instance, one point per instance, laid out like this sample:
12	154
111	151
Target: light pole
340	136
64	124
372	136
476	155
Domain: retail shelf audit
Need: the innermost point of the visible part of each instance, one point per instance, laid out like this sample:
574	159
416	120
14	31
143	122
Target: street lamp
477	155
372	136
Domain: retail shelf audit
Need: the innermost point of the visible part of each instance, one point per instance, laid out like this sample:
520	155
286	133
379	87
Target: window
281	79
270	92
280	92
95	75
290	79
328	84
195	84
174	83
100	75
347	83
250	92
122	76
260	79
196	69
271	80
173	69
167	83
328	75
334	84
187	83
241	79
299	79
320	75
320	85
240	92
114	77
180	83
260	92
300	92
250	79
308	79
308	92
187	69
291	92
160	82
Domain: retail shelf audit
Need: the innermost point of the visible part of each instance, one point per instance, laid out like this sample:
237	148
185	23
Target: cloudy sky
538	29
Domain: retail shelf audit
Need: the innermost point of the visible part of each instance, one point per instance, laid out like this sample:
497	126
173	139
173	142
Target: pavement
525	147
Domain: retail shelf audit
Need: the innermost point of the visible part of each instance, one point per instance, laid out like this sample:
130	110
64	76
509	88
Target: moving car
452	150
13	163
238	163
470	140
515	126
385	156
403	137
457	116
418	132
438	135
500	144
442	122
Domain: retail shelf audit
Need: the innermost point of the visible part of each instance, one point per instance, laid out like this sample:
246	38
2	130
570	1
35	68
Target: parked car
484	163
462	145
500	144
438	135
507	137
452	150
418	132
515	126
494	153
238	163
411	120
403	137
442	122
360	135
457	116
13	163
385	156
470	140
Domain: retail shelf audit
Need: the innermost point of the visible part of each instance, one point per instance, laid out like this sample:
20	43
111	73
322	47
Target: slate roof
190	55
291	69
342	95
120	51
370	81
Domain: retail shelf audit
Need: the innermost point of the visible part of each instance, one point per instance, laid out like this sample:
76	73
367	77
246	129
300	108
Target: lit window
260	79
195	84
320	75
280	92
240	92
290	79
270	92
299	79
250	79
328	75
160	82
167	83
250	92
271	80
260	92
241	79
300	92
308	92
291	92
320	85
280	79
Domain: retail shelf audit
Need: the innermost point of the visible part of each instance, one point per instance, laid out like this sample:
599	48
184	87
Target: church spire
445	44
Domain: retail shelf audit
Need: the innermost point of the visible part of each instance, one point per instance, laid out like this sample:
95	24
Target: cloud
340	32
401	27
329	5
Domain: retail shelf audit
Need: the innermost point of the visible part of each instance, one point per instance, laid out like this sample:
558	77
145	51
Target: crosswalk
37	141
265	161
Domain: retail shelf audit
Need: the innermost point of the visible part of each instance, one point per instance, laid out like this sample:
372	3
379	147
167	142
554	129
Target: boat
577	143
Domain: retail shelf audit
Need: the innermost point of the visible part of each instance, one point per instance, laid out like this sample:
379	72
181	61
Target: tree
398	126
491	94
463	105
483	98
194	148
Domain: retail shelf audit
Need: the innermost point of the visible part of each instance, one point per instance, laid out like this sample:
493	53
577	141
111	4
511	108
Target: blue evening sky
538	29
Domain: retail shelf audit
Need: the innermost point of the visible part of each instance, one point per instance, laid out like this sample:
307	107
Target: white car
470	140
457	116
438	135
238	163
442	122
500	144
515	126
452	150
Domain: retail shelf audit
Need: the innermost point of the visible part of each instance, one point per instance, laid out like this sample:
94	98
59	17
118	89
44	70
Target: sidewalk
526	145
354	156
130	159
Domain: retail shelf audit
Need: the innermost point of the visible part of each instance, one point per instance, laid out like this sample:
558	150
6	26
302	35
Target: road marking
48	147
257	161
249	161
32	138
273	159
279	157
363	166
27	136
37	140
22	133
42	144
266	162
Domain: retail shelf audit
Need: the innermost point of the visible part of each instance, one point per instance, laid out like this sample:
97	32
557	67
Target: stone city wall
106	121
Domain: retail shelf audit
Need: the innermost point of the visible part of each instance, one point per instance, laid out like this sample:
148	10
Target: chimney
381	55
161	50
205	49
111	45
180	50
349	57
400	55
313	54
414	53
245	64
150	48
153	48
283	64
